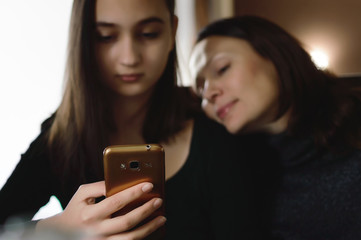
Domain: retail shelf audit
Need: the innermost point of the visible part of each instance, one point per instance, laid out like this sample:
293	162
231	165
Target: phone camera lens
122	166
134	165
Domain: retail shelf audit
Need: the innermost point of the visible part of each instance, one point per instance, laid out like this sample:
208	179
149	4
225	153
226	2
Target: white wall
32	58
185	36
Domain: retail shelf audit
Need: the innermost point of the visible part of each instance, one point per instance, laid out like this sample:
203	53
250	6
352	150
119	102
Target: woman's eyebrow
105	24
151	20
142	22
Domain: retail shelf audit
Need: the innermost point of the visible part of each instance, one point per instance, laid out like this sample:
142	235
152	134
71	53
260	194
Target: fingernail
147	187
162	220
157	203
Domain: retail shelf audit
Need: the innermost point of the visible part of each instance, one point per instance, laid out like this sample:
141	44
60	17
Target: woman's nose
211	91
128	52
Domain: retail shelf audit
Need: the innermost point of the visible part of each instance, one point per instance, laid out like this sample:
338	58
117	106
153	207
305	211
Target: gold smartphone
128	165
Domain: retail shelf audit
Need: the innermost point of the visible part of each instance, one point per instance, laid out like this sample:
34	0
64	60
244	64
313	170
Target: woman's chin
233	129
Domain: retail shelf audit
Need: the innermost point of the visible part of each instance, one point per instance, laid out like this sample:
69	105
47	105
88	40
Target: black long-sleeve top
203	200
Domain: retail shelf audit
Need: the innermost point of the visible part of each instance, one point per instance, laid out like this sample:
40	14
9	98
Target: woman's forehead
211	49
126	12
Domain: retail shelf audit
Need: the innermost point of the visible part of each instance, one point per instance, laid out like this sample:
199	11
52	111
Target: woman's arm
30	185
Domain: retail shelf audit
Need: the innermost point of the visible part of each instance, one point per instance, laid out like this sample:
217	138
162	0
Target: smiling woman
299	124
226	64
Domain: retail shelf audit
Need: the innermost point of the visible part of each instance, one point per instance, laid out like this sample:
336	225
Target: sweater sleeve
30	185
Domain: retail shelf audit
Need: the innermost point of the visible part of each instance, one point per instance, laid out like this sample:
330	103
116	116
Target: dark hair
320	103
82	123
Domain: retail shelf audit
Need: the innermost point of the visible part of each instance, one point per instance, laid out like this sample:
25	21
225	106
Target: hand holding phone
84	215
129	165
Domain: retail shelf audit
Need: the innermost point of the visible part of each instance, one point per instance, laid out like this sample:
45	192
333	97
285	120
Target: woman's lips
130	77
223	111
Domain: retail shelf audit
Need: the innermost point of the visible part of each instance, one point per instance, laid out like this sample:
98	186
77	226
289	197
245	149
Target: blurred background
33	45
329	27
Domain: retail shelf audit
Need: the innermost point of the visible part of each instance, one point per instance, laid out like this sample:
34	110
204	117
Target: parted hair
82	123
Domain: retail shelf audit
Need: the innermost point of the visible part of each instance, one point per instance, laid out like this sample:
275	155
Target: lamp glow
320	59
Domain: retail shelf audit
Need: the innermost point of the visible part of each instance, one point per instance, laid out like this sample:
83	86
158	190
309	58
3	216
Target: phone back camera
134	165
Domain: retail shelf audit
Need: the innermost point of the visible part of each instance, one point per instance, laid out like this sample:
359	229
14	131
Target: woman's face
134	38
239	87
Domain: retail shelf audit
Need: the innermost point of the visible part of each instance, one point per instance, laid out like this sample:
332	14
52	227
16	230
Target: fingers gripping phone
129	165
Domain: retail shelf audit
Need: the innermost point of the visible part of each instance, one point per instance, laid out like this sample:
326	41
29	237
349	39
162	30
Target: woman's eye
105	38
150	35
222	69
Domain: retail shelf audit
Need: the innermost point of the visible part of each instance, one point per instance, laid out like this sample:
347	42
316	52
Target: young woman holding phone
121	88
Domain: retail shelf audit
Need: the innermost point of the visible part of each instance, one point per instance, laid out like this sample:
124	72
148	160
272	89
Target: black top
208	197
255	187
305	192
201	201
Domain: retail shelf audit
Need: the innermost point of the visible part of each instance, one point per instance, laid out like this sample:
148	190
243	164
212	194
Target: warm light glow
320	58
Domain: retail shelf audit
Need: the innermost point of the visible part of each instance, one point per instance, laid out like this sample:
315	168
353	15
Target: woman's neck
280	125
129	115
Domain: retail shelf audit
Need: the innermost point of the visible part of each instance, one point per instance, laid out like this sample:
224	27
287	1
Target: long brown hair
82	123
321	103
